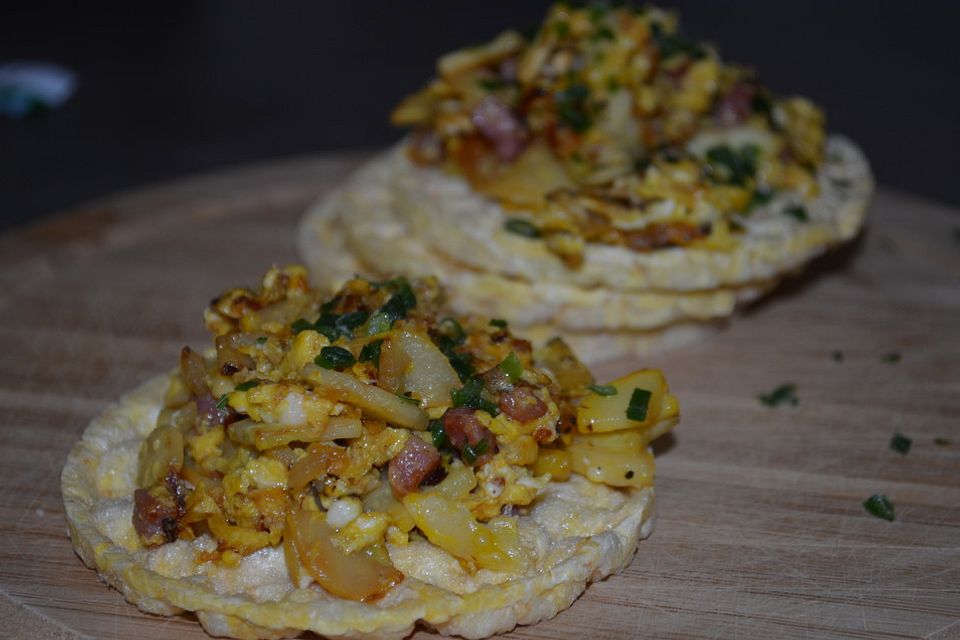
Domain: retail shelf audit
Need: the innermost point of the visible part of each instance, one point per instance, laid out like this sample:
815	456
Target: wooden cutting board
761	530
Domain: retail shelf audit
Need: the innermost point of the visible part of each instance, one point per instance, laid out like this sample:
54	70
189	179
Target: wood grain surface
761	531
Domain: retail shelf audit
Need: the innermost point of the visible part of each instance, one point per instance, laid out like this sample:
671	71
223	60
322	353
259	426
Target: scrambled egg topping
611	126
335	427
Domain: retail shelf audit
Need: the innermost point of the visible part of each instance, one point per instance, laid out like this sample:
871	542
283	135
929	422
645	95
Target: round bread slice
256	599
361	219
444	212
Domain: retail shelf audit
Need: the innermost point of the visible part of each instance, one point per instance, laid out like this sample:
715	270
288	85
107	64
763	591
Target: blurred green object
29	86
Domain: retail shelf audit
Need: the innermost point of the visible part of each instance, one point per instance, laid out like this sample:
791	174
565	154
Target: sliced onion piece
354	576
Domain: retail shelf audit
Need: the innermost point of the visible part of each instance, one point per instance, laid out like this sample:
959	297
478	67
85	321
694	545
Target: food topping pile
345	427
611	126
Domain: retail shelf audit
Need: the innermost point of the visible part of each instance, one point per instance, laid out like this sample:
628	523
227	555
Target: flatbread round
445	213
361	219
257	600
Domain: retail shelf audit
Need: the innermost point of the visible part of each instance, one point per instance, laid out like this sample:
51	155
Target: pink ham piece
735	107
463	428
500	126
412	466
522	405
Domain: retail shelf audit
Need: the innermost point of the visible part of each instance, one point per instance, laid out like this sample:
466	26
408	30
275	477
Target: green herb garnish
512	367
639	403
448	336
451	330
439	434
408	399
261	339
498	322
400	303
222	401
462	363
472	452
784	394
573	107
892	358
246	386
335	358
733	166
493	84
379	322
603	389
900	443
759	198
674	44
301	325
880	506
522	227
471	395
371	352
603	33
796	212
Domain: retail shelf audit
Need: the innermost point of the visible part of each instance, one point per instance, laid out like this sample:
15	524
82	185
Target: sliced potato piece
556	462
645	388
617	469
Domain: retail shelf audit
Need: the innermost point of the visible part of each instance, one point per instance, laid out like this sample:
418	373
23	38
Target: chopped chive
522	227
439	434
639	403
512	367
674	44
797	212
222	401
451	330
472	452
603	33
784	394
759	198
371	352
408	399
301	325
335	358
498	322
462	363
892	358
246	386
492	84
941	442
880	506
261	339
470	395
733	166
603	389
379	322
900	443
837	356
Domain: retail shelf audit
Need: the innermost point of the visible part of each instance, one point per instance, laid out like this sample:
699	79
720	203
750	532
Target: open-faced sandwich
358	465
607	174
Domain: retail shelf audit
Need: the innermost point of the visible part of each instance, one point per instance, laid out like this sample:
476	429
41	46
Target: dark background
172	88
